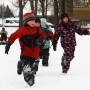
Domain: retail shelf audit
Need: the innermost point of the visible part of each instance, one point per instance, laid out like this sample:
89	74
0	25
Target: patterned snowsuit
68	41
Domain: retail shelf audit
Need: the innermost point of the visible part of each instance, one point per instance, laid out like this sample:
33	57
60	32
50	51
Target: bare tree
20	13
56	13
89	2
36	3
46	7
63	6
20	4
42	6
69	7
32	5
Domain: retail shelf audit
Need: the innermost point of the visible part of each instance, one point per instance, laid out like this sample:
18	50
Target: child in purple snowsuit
66	30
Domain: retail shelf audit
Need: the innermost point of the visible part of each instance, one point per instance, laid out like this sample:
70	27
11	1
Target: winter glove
54	48
86	32
7	47
54	43
48	37
39	41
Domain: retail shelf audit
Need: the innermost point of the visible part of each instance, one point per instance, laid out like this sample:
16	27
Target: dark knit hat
64	15
28	17
38	20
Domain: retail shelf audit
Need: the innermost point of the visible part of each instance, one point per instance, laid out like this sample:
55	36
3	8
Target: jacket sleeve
42	35
78	29
14	36
51	35
57	34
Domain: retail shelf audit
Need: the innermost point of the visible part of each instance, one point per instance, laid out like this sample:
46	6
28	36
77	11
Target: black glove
54	43
48	37
54	48
39	41
86	32
7	47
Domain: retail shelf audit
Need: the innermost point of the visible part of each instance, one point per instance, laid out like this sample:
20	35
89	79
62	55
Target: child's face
31	23
65	19
37	24
43	24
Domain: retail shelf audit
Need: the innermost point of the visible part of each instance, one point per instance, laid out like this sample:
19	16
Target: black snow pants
24	61
44	54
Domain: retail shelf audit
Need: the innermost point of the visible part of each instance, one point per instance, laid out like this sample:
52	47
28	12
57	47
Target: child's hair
38	20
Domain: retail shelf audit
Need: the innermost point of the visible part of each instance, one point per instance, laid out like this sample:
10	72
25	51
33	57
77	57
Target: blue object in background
43	20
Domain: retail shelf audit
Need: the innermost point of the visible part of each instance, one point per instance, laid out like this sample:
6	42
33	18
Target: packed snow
50	77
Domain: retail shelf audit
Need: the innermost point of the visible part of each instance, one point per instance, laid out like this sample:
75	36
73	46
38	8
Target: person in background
30	40
66	30
44	53
38	22
3	34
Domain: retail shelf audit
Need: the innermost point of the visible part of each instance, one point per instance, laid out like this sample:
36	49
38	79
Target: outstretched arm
81	31
11	39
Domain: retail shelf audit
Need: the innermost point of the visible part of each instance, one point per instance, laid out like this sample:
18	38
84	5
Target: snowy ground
48	77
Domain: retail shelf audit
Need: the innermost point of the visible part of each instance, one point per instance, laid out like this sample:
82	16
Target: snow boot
64	70
35	67
19	68
65	66
45	61
29	78
28	75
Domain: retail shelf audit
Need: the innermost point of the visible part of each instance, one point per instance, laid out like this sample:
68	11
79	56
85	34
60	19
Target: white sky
14	10
6	2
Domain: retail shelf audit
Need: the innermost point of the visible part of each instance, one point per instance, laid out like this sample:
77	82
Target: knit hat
28	17
43	20
38	20
64	15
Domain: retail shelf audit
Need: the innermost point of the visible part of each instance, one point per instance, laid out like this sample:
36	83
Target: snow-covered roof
12	18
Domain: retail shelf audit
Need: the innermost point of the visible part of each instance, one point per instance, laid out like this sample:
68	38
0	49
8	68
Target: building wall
81	13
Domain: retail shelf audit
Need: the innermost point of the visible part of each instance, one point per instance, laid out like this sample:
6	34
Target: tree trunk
32	6
56	13
20	13
89	2
46	8
69	7
42	6
63	6
36	2
60	7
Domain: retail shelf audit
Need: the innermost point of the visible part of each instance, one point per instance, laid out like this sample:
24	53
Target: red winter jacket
27	51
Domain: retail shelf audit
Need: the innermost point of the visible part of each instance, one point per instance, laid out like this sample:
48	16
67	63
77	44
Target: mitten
48	37
86	32
7	47
54	43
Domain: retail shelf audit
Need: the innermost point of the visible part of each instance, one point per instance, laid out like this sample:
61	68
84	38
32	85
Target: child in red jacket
30	40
